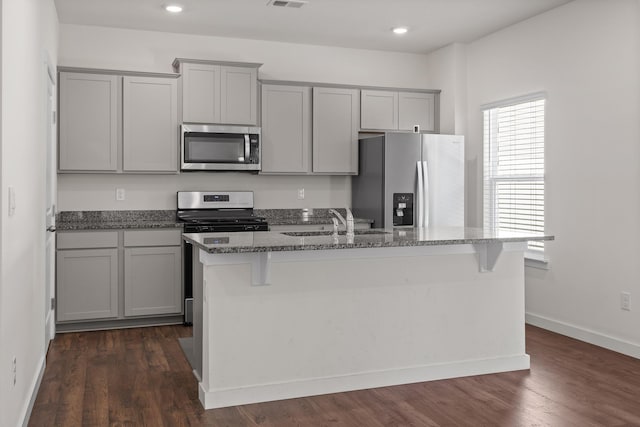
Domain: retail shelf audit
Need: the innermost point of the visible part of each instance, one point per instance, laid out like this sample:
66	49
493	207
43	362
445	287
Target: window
514	166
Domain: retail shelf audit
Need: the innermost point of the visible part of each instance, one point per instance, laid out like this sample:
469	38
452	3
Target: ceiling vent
287	3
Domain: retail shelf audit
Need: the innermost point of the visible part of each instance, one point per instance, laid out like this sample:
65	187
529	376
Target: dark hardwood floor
140	377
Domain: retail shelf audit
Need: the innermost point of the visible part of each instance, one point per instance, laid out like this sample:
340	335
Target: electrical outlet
300	193
119	193
625	301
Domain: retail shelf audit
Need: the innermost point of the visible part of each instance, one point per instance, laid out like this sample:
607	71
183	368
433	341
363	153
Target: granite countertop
109	220
223	243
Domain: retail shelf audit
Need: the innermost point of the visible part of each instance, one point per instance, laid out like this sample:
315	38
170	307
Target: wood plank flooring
140	377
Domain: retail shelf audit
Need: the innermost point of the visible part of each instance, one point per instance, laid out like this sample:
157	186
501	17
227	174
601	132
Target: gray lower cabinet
89	123
336	113
150	124
87	276
87	284
286	129
118	276
152	281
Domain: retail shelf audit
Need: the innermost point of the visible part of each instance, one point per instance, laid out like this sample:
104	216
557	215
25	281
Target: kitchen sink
329	233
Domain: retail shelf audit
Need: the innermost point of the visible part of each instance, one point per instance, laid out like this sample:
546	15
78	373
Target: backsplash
97	192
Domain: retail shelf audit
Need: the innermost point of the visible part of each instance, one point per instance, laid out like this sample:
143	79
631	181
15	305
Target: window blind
514	167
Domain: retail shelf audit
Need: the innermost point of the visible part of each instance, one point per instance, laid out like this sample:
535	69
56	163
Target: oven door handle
247	149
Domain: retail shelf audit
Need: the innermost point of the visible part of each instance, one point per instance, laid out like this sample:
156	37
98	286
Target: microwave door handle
247	149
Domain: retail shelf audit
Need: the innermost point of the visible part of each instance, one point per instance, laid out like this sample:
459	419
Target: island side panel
341	324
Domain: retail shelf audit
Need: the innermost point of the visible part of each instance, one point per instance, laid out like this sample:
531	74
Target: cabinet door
286	129
152	281
200	93
335	130
379	109
150	124
239	95
416	109
88	122
87	284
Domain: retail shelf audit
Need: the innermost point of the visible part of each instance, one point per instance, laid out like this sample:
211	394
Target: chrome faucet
348	223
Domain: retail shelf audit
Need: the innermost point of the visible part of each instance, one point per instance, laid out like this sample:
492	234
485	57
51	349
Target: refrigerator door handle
420	195
425	192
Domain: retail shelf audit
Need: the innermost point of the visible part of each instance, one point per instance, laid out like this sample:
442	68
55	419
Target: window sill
537	260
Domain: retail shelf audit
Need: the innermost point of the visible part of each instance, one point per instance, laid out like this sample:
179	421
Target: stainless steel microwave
219	147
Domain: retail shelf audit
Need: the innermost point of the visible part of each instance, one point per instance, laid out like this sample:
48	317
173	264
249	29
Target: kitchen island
284	315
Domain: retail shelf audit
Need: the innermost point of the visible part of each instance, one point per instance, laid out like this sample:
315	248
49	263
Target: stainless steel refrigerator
410	180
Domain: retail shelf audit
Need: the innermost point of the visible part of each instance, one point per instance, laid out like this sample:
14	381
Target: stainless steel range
212	212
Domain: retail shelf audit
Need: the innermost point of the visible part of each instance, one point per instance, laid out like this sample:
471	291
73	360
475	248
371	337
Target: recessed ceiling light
173	8
400	30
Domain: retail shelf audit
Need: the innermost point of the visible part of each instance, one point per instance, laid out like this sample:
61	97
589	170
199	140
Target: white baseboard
316	386
583	334
35	386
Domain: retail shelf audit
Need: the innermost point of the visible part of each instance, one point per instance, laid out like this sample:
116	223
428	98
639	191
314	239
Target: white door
50	204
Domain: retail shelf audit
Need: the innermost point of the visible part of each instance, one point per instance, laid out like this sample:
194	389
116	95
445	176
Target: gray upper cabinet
416	108
200	93
286	129
239	95
335	130
218	92
150	124
89	124
115	123
379	109
391	110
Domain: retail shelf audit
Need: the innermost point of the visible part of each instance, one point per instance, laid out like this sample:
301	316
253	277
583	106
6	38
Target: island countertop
270	241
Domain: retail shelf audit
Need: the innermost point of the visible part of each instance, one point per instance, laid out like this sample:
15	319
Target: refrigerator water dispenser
402	209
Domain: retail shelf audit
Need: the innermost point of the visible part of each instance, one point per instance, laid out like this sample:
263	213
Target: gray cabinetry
200	93
335	130
89	124
118	278
239	95
286	129
87	276
218	92
416	108
379	109
391	110
150	121
111	123
152	272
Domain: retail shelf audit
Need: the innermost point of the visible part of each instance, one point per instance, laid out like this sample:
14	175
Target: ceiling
362	24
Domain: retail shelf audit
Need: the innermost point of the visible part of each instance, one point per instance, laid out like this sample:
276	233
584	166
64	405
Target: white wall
29	30
586	57
98	47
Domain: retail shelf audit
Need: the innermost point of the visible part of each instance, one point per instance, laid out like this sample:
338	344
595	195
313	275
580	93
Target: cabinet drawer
171	237
87	239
